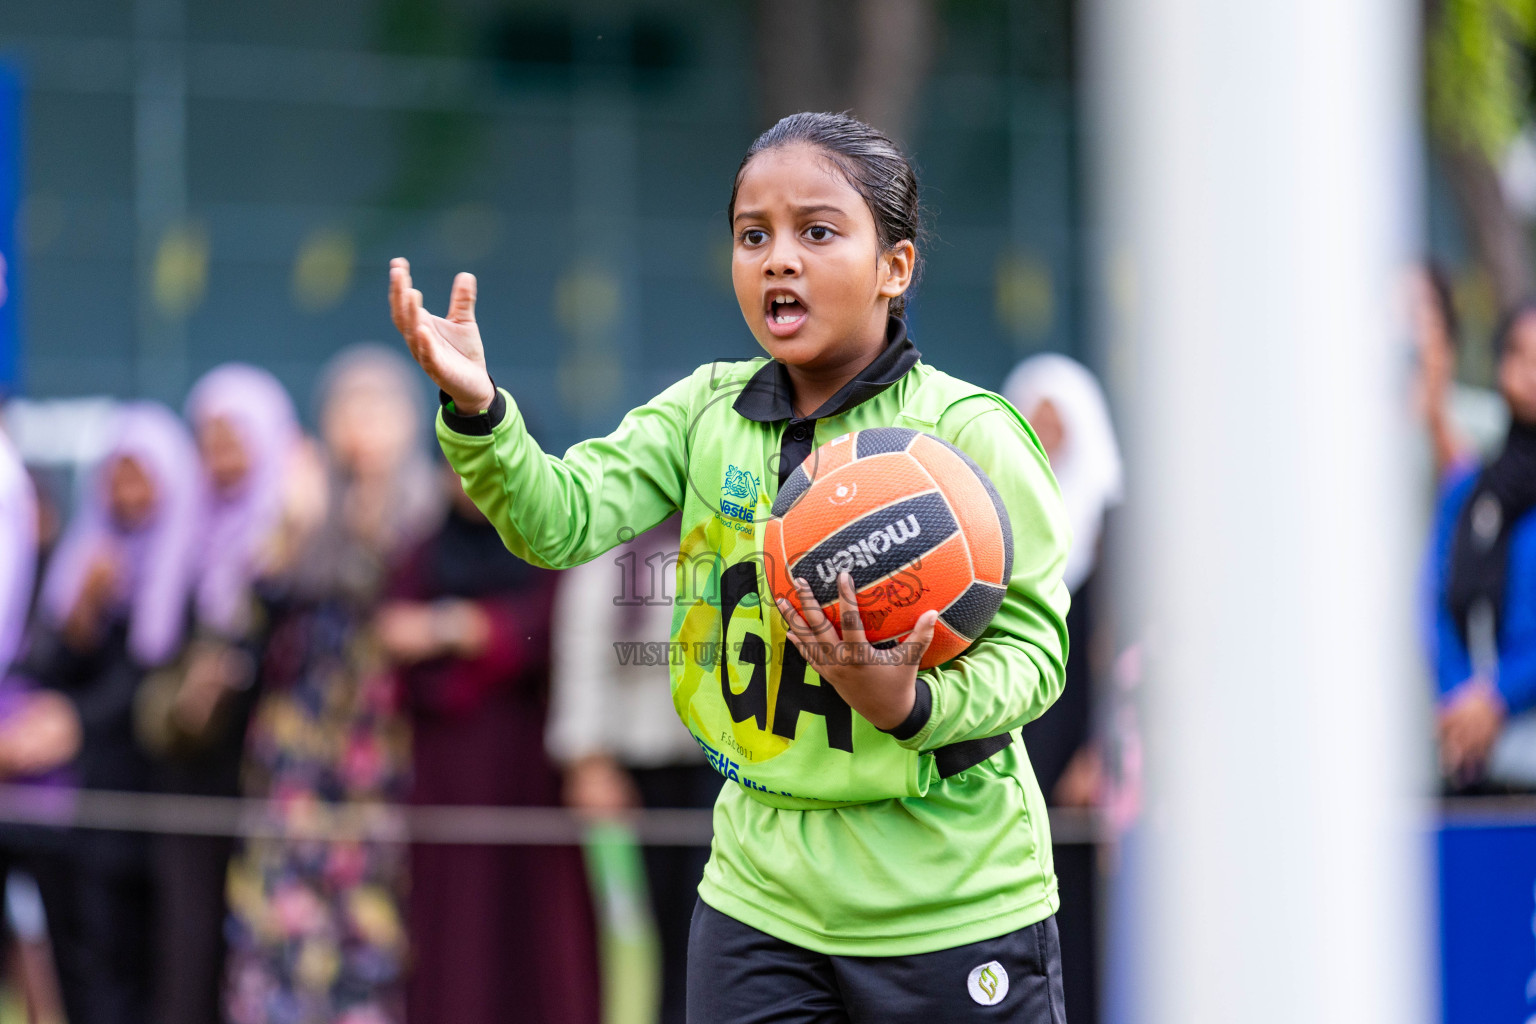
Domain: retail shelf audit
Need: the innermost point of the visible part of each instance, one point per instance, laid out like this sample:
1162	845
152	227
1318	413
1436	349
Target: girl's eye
819	232
753	236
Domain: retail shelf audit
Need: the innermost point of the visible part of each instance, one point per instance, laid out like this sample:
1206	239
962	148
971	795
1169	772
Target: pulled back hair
874	165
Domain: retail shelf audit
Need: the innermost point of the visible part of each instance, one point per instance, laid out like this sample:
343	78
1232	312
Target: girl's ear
896	267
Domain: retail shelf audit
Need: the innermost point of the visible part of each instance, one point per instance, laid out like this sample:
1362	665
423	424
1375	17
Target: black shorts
739	975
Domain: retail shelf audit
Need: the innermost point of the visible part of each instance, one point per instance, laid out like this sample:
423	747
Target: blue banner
10	198
1487	912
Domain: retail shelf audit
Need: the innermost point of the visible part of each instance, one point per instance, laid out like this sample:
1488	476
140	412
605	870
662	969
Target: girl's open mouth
785	314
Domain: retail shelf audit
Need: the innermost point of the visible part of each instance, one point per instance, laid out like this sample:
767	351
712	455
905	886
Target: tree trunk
868	56
895	53
801	55
1498	232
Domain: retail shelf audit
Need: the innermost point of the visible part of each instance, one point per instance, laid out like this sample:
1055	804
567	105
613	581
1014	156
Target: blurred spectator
316	929
38	729
1484	557
491	927
247	434
1435	332
1064	403
1462	420
115	602
193	714
1066	406
615	730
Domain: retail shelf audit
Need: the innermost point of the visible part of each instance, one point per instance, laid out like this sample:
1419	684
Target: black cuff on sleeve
922	710
478	425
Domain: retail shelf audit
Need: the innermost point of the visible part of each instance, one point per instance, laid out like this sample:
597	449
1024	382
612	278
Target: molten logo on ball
868	550
912	519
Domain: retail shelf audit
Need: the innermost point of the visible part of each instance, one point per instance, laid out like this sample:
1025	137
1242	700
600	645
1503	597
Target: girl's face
1517	370
804	234
130	493
224	455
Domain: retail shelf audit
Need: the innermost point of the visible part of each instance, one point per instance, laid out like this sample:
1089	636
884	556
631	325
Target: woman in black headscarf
1485	551
492	927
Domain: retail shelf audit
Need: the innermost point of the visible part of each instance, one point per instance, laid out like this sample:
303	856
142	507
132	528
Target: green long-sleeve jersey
830	833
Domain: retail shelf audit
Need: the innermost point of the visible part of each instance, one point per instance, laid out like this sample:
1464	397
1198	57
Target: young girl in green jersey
884	852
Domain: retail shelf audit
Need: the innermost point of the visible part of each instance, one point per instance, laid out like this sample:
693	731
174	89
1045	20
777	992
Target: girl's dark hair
873	164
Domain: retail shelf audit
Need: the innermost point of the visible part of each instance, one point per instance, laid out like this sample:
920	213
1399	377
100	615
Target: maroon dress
497	933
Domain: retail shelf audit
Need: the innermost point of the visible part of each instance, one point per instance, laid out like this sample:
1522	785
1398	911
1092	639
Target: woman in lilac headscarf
38	731
129	555
195	717
248	439
115	603
247	432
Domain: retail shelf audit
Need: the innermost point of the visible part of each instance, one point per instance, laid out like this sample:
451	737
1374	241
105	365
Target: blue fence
1488	917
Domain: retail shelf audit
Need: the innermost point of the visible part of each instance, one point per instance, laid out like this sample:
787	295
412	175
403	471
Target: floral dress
316	933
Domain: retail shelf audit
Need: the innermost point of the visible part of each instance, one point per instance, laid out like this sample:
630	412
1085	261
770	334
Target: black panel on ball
798	483
880	440
997	503
973	610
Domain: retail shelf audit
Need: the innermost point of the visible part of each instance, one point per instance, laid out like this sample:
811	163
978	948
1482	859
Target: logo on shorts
988	984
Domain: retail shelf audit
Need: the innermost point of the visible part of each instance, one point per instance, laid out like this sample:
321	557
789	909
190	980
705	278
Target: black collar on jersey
766	397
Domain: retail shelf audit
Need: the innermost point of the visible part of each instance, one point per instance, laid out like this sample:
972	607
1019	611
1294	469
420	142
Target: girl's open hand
878	683
448	348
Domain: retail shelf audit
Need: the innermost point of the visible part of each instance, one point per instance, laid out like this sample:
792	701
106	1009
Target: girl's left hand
878	683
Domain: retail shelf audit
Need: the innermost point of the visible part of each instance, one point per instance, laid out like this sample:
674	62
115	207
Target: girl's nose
782	262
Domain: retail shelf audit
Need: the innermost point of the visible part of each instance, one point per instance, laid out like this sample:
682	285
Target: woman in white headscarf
1064	403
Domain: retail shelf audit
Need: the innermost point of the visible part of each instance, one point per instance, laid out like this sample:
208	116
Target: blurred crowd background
233	565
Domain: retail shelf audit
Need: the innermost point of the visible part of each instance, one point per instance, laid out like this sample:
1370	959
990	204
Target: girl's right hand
448	348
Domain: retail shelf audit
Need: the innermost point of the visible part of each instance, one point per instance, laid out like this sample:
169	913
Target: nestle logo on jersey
740	494
868	549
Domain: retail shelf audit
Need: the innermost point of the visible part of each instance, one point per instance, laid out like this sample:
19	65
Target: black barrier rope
62	807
